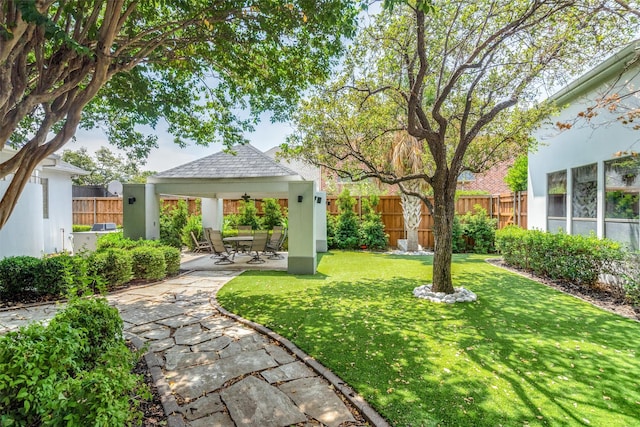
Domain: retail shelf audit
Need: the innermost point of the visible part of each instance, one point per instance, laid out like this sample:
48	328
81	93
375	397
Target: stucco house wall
582	151
32	229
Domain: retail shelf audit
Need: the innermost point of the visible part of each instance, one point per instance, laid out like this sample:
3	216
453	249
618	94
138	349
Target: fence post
95	210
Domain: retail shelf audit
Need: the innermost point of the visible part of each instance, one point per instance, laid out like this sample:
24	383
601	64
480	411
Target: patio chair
275	242
220	251
200	245
258	245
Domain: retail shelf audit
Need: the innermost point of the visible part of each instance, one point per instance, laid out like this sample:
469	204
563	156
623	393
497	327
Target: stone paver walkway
214	369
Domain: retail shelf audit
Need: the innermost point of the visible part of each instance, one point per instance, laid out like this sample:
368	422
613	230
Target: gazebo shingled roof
247	162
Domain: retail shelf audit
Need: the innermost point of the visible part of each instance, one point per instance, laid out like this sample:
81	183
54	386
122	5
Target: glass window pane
585	191
557	194
623	188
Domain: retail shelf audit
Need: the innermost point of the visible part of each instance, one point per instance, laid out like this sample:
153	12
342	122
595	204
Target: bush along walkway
216	369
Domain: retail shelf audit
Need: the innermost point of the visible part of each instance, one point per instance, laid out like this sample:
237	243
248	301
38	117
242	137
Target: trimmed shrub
148	263
76	371
76	228
458	243
114	267
347	233
171	259
18	275
479	231
577	259
55	275
116	241
371	227
332	225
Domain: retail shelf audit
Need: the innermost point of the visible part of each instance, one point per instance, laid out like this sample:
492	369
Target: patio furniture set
257	245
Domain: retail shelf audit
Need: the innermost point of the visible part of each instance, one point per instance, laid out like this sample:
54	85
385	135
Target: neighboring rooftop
243	161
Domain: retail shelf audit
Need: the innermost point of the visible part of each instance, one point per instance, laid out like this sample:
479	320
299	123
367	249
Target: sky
169	155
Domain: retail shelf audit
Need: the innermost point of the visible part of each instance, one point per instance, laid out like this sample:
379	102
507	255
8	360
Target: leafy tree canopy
120	64
105	167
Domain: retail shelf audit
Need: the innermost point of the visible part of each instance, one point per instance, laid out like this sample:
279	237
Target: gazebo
230	175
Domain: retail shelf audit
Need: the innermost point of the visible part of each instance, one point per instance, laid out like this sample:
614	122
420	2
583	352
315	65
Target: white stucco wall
58	227
27	232
22	234
583	144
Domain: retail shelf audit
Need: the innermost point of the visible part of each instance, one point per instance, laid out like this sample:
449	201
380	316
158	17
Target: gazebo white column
212	213
302	228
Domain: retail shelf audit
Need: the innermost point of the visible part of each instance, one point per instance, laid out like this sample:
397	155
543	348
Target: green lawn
523	354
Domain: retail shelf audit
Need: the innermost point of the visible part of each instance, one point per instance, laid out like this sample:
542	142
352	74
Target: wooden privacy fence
89	210
506	208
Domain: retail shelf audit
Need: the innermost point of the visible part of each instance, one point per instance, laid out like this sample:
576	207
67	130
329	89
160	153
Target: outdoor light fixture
299	199
246	197
318	199
132	200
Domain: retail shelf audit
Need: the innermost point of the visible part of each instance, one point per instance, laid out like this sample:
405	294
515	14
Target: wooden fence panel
89	210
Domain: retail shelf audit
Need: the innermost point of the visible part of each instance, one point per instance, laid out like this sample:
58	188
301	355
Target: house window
45	197
557	201
622	200
584	199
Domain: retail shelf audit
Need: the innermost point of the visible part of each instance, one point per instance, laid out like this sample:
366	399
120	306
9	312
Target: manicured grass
523	354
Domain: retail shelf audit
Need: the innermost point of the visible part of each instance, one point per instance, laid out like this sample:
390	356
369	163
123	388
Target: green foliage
572	258
79	228
459	245
621	204
272	213
172	222
517	175
116	241
55	275
230	225
371	227
17	275
248	214
112	266
630	277
372	233
171	259
74	372
194	224
478	231
148	263
332	225
33	362
347	231
100	324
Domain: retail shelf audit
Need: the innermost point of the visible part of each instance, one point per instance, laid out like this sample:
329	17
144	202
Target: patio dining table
236	240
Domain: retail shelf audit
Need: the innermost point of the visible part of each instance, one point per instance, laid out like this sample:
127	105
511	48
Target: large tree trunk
443	214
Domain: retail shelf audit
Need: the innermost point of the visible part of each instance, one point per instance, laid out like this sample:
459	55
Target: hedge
148	263
558	256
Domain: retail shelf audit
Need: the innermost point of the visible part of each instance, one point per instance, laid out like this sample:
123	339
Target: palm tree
405	158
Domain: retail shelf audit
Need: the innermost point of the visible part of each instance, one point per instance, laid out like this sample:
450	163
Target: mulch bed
600	295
